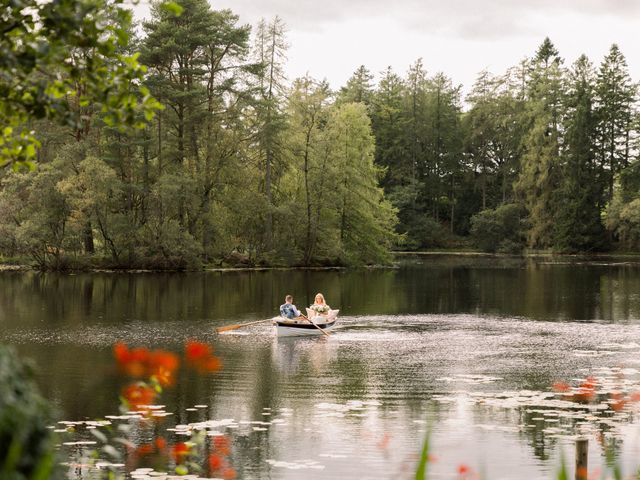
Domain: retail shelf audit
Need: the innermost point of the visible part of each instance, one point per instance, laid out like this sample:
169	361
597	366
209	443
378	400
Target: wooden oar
240	325
315	325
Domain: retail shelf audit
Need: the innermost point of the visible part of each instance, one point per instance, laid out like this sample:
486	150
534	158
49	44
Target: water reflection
431	329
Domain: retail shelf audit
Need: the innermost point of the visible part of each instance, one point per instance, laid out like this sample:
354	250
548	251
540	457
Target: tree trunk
87	239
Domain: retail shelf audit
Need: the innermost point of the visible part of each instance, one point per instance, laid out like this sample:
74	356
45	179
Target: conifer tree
539	171
578	225
615	97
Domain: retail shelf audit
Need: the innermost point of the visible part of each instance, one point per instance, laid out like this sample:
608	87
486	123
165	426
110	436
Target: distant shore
17	265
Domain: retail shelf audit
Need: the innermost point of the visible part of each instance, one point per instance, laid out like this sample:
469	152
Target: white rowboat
301	327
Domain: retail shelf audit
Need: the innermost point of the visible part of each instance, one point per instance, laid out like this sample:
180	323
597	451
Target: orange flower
163	376
222	445
618	402
589	383
138	395
583	396
561	387
463	469
180	451
164	359
229	473
213	364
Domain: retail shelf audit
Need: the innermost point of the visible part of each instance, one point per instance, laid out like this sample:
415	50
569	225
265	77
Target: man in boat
288	309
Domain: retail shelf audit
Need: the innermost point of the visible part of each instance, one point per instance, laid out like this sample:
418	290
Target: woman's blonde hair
321	297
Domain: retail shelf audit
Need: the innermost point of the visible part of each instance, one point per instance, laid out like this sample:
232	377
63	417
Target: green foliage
615	96
26	442
578	226
623	218
366	219
500	230
539	174
62	56
241	166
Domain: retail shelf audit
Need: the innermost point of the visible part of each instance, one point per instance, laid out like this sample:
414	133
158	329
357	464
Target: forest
232	164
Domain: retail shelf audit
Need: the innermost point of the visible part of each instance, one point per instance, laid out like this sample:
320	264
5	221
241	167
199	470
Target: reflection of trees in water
539	441
534	288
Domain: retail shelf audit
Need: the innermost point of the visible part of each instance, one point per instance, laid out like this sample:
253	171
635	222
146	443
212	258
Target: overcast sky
331	38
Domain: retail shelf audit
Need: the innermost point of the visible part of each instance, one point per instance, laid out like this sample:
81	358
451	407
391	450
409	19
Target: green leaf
30	150
421	472
172	7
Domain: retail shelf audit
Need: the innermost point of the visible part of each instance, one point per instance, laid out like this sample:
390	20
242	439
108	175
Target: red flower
145	449
180	450
215	462
121	352
161	444
138	395
139	354
463	469
197	351
200	356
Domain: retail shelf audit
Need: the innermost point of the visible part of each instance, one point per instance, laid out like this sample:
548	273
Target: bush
623	219
426	232
500	230
26	444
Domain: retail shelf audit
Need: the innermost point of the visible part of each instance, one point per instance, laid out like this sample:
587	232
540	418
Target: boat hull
288	329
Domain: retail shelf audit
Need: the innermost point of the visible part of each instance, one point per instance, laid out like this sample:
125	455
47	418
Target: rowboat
301	327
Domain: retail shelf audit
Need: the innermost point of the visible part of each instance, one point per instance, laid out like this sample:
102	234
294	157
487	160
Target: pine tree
359	88
388	122
539	172
270	46
615	96
578	225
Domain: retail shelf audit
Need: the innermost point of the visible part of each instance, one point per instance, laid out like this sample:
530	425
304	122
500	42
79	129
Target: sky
329	39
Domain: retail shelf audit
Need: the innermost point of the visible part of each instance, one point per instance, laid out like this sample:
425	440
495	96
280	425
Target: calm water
437	341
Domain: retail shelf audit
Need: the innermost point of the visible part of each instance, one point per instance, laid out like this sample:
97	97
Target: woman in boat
320	307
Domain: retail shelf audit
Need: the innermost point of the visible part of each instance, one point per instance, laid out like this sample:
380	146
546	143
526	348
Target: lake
467	347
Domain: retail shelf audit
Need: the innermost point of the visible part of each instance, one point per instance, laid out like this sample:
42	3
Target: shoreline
13	267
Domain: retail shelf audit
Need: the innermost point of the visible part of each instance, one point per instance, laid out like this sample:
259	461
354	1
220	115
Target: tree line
241	166
544	156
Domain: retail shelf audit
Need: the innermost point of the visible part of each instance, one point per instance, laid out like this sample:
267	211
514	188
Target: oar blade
240	325
227	328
